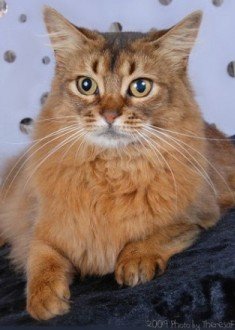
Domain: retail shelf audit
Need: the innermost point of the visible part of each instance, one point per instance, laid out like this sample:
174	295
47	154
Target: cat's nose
110	115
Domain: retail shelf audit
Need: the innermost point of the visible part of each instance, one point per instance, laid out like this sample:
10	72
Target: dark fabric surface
198	285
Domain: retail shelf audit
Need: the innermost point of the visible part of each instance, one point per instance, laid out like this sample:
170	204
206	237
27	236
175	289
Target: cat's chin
107	140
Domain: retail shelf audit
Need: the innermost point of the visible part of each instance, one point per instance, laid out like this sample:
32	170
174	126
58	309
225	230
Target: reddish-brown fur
127	209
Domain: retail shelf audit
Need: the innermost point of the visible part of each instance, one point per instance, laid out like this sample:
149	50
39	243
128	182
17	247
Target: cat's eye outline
132	90
94	86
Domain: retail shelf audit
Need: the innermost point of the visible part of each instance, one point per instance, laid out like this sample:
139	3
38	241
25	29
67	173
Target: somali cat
122	173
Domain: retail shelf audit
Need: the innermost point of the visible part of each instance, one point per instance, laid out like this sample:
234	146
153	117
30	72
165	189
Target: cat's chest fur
107	204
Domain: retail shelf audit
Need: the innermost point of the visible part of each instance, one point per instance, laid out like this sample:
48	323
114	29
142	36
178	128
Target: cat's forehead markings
132	68
99	66
127	68
119	42
95	66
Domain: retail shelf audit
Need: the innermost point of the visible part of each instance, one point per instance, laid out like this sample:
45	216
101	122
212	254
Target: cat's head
118	86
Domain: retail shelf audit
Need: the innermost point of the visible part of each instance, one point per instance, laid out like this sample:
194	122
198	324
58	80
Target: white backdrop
24	81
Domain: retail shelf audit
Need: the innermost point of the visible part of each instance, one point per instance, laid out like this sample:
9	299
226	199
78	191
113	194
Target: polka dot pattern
10	56
27	63
3	8
217	3
46	60
231	69
23	18
165	2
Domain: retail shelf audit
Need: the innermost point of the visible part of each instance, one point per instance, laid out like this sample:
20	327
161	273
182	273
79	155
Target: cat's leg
139	261
49	274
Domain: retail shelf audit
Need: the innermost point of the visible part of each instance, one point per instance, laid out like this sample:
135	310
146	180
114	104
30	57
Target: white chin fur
105	142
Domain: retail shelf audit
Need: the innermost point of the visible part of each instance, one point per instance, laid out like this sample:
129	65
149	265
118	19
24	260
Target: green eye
140	87
87	86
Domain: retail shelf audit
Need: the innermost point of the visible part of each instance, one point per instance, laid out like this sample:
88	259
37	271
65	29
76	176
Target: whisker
25	153
205	175
182	153
187	135
76	139
139	140
52	119
167	164
178	142
28	149
52	152
79	148
198	167
58	135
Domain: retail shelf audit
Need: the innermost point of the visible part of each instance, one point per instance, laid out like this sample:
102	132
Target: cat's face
118	85
113	91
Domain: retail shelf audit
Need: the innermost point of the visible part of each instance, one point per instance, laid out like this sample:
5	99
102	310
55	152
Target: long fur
87	199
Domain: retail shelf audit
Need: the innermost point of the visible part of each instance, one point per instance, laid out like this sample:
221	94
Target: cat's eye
87	86
140	87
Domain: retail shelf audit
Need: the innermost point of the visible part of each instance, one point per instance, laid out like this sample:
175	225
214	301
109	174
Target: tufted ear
66	37
178	42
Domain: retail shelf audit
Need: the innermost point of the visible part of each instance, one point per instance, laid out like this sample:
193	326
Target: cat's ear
66	37
178	42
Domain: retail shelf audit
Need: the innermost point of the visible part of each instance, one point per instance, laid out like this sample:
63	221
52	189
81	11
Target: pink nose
110	116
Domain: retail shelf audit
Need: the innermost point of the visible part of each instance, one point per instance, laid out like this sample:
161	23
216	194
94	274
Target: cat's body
97	205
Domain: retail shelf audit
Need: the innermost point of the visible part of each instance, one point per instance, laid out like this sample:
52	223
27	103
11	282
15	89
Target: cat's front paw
47	299
136	269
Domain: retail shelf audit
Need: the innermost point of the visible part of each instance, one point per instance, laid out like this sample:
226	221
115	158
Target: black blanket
198	286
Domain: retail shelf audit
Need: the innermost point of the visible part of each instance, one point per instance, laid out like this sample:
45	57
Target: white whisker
78	149
192	135
52	152
30	148
204	174
165	161
58	135
80	134
179	142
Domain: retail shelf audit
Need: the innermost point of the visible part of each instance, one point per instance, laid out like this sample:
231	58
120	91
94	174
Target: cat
122	173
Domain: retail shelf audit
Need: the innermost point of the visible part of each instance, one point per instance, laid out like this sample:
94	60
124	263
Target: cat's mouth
111	133
110	137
